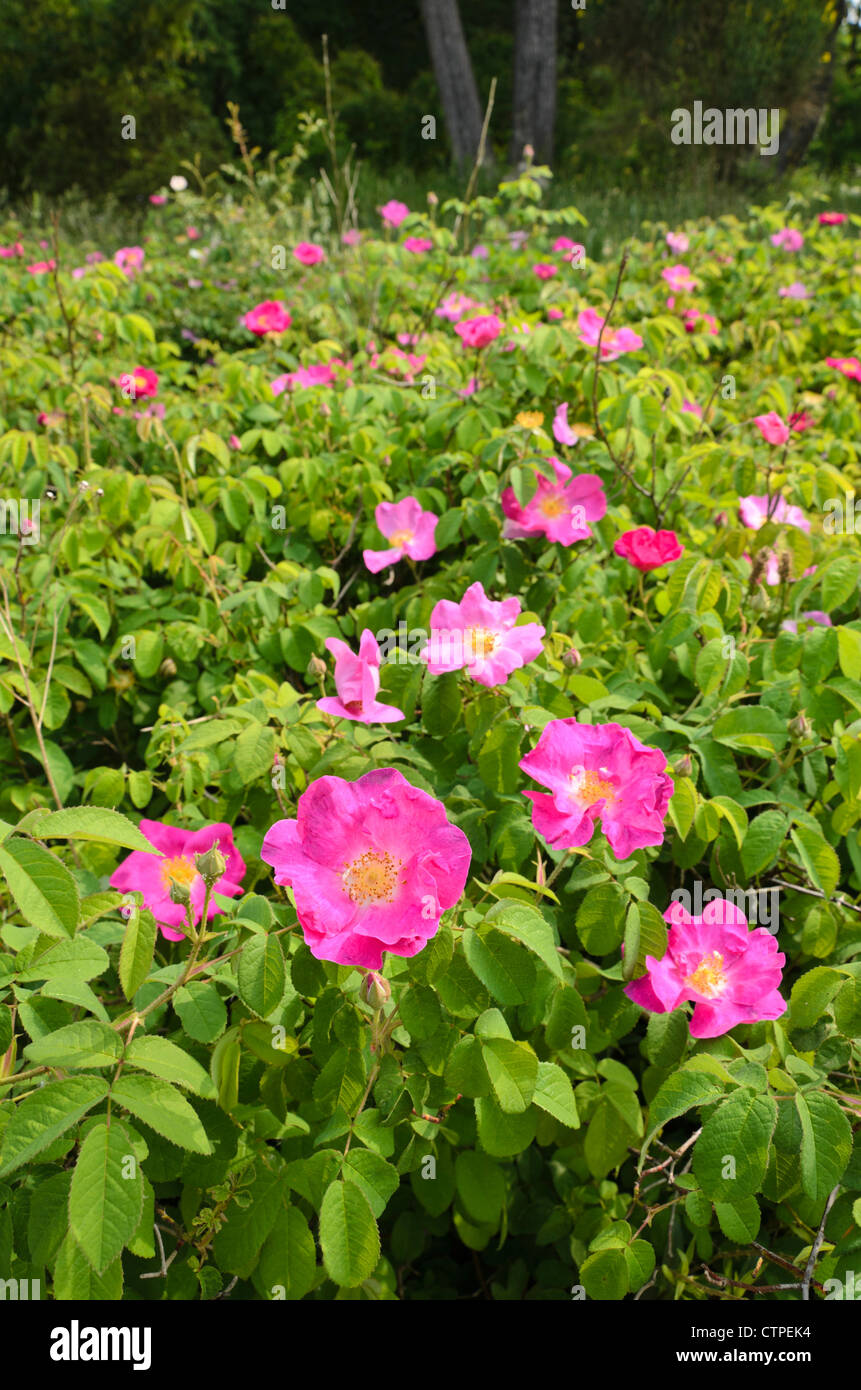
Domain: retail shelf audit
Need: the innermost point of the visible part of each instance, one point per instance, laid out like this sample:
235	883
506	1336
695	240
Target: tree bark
454	77
534	114
804	116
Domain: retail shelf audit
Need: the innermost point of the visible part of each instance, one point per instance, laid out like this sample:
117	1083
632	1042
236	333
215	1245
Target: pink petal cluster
399	363
849	366
418	244
309	253
678	243
269	317
679	277
647	549
372	864
562	431
454	306
692	408
545	270
597	772
42	267
480	634
480	331
614	342
560	509
129	258
152	876
813	615
16	249
573	251
794	291
731	974
317	374
140	382
393	212
357	681
772	428
756	511
158	200
788	238
691	318
410	530
833	219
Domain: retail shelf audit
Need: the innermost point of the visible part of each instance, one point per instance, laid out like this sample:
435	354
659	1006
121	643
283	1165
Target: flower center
481	642
178	870
401	537
709	978
372	877
589	786
554	505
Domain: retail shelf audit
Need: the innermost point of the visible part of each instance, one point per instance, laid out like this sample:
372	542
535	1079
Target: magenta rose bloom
849	366
560	510
357	681
410	530
730	973
309	253
372	864
788	238
832	219
480	634
152	876
597	772
141	382
129	258
614	342
772	428
647	549
756	511
393	212
269	317
480	331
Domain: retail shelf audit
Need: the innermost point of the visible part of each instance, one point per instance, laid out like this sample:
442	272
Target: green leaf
84	1044
503	967
238	1244
262	976
818	859
106	1195
555	1094
752	729
503	1135
42	1117
420	1011
640	1260
739	1220
42	887
201	1011
731	1154
137	950
480	1185
80	959
377	1179
526	924
811	995
441	704
75	1281
849	652
288	1260
349	1237
762	842
604	1275
163	1109
164	1059
499	756
48	1218
93	823
681	1091
683	806
601	919
826	1143
513	1071
255	752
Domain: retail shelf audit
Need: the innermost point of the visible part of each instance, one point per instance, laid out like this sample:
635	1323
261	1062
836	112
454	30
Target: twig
817	1244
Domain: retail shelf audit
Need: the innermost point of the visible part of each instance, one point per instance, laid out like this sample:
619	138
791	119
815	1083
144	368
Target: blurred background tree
72	69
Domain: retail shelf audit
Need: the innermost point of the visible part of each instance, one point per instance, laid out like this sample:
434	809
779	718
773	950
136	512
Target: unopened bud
684	767
179	892
528	152
721	519
760	601
376	990
211	865
800	727
433	199
167	668
572	658
316	668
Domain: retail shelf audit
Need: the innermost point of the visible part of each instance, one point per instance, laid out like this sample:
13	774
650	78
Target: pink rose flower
678	243
480	634
678	277
772	428
235	442
833	219
372	864
42	267
152	876
545	270
16	249
192	233
560	509
849	366
614	342
470	388
692	316
93	257
418	244
269	317
141	382
351	237
562	431
692	408
79	272
799	421
129	258
553	313
357	681
597	772
309	253
393	212
158	200
317	374
788	238
814	615
755	511
478	332
572	251
454	306
794	291
410	530
730	973
647	549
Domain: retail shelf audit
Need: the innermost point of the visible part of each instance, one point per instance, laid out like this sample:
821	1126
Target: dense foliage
493	1114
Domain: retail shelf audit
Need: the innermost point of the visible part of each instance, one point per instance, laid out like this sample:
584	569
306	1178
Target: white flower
178	183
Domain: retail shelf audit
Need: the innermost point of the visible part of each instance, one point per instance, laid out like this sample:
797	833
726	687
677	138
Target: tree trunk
805	115
534	78
454	77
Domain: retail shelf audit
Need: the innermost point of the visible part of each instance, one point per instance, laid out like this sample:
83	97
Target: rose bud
572	659
211	865
684	767
800	727
376	990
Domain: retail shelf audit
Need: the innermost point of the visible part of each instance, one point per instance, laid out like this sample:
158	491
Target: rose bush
356	1011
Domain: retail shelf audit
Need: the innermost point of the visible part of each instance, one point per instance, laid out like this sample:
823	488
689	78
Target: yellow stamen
588	786
178	870
401	537
481	642
553	506
709	978
372	878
